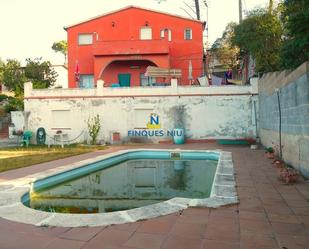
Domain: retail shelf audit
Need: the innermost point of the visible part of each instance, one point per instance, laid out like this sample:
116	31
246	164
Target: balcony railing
131	47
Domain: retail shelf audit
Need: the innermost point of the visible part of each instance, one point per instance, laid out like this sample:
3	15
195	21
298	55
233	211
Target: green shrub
14	104
94	127
3	97
270	150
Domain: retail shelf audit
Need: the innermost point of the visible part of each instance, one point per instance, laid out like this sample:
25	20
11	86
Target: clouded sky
29	27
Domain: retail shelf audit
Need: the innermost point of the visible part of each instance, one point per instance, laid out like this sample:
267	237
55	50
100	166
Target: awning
163	72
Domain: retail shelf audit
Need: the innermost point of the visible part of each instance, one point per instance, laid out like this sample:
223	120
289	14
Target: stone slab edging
11	194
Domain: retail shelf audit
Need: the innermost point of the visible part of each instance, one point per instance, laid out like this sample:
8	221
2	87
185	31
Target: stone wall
293	90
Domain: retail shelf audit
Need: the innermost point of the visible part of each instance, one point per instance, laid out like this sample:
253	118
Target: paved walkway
270	215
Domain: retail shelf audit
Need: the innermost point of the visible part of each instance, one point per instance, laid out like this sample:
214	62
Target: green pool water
127	185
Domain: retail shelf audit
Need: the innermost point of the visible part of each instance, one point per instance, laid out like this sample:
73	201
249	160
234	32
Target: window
188	34
61	119
146	33
166	32
86	81
85	39
141	117
147	81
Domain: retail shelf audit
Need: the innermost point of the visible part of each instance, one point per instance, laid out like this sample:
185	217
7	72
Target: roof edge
129	7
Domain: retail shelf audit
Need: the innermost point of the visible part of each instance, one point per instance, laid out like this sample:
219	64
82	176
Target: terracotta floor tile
304	219
51	230
293	242
260	227
284	218
298	203
256	240
252	204
155	227
269	214
223	232
143	241
109	237
168	218
196	211
303	211
223	221
81	233
130	227
290	229
64	243
188	230
292	196
304	189
277	209
193	218
18	239
260	216
220	212
215	244
175	242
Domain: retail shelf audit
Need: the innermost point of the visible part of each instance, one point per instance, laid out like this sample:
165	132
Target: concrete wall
294	97
208	112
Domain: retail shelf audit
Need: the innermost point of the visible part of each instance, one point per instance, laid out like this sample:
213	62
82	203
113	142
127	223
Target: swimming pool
151	174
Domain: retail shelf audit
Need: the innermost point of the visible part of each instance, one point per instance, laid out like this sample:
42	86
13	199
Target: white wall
62	78
209	112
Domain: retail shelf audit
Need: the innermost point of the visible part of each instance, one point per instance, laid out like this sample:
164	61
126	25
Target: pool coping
11	192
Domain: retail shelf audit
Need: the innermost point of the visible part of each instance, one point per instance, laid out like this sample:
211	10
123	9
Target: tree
1	70
295	18
62	47
223	49
40	73
13	76
196	5
260	36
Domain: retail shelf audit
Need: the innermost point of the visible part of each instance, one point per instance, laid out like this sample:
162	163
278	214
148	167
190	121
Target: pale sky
29	27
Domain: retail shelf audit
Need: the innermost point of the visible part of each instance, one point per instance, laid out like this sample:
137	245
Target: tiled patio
270	215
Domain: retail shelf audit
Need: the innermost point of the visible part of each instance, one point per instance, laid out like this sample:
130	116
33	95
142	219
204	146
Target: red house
118	47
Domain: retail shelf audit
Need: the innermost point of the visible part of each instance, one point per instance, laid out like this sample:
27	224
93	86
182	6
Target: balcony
132	47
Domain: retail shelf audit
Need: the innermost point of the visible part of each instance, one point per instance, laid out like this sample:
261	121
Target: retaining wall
293	90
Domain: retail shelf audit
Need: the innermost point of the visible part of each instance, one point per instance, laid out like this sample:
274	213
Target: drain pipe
256	125
279	109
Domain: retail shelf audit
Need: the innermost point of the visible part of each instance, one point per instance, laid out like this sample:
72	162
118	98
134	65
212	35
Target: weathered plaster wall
294	97
208	114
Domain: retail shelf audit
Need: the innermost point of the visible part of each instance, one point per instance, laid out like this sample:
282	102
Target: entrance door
124	79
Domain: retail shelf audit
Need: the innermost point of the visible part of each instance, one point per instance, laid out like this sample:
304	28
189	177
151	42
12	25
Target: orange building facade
118	47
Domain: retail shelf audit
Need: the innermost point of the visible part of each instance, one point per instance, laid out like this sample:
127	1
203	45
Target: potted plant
288	174
178	131
270	153
278	163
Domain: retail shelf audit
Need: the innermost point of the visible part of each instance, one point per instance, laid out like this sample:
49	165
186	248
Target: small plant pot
179	136
270	155
288	175
278	163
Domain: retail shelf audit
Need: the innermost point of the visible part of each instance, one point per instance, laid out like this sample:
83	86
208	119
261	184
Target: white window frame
169	33
141	116
85	39
185	34
147	35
